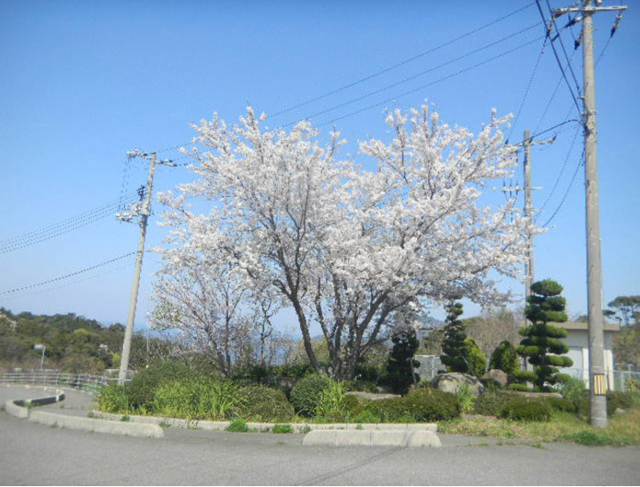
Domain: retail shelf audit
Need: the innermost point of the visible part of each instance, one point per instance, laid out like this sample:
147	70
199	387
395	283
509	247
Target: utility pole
597	374
526	143
143	211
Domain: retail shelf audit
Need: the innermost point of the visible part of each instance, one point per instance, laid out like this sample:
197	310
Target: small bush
504	357
523	409
518	387
620	400
262	403
366	416
465	397
490	404
201	398
573	390
360	386
238	426
142	388
113	399
353	405
432	405
331	406
307	393
561	404
282	429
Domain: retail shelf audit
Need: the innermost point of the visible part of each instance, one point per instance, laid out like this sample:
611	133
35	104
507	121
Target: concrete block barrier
96	425
15	410
397	438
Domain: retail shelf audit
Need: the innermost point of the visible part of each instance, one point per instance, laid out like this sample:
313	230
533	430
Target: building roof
581	325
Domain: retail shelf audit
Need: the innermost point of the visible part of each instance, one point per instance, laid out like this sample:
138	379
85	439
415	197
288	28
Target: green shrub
366	416
360	386
523	409
465	397
561	404
238	426
490	404
307	393
142	388
282	429
200	398
353	405
620	400
331	406
504	358
432	405
477	359
389	411
573	390
113	399
518	387
262	403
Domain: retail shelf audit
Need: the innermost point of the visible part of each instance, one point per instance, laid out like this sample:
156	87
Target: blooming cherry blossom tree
351	251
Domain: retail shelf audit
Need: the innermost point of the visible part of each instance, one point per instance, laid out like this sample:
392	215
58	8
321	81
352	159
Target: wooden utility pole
597	373
143	211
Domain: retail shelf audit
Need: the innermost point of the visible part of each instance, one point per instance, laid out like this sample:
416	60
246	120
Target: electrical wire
419	88
82	271
415	76
61	228
399	64
528	88
566	193
564	166
566	56
555	53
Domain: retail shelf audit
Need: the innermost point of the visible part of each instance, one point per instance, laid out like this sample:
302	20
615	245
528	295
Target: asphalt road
31	454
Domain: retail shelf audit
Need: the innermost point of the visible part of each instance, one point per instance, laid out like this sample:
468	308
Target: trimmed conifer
454	347
541	344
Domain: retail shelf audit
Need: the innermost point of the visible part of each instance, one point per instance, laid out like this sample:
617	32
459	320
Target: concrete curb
96	425
297	427
398	438
18	409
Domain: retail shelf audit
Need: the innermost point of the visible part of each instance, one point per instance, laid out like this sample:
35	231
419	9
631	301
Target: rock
496	375
452	381
371	396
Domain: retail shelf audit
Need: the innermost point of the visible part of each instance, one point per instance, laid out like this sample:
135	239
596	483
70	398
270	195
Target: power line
566	56
419	88
526	91
15	290
397	65
61	228
566	193
555	53
564	165
411	78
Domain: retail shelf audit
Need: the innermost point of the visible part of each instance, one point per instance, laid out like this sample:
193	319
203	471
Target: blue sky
84	82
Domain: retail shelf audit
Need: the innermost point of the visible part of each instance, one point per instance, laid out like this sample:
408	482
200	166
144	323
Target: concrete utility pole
143	211
526	143
597	375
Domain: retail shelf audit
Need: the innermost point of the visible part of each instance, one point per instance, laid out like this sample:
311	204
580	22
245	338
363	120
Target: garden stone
496	375
452	381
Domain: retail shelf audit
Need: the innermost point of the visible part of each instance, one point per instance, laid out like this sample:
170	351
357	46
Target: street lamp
43	348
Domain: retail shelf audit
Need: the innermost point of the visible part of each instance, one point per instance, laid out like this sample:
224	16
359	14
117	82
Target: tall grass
197	399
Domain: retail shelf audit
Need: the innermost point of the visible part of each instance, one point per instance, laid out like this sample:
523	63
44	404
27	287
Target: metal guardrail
44	377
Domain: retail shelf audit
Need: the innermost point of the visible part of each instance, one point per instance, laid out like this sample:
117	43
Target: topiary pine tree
541	344
504	357
401	365
454	348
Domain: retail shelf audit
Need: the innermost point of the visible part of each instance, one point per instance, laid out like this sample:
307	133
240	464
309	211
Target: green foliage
359	385
142	389
591	438
400	373
490	404
541	344
573	390
282	429
625	310
518	387
200	398
113	398
504	358
420	405
618	400
475	358
307	393
331	405
262	403
366	416
561	404
454	347
238	426
465	398
523	409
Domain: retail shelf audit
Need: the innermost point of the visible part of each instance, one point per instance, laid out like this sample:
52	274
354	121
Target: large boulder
452	381
496	375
